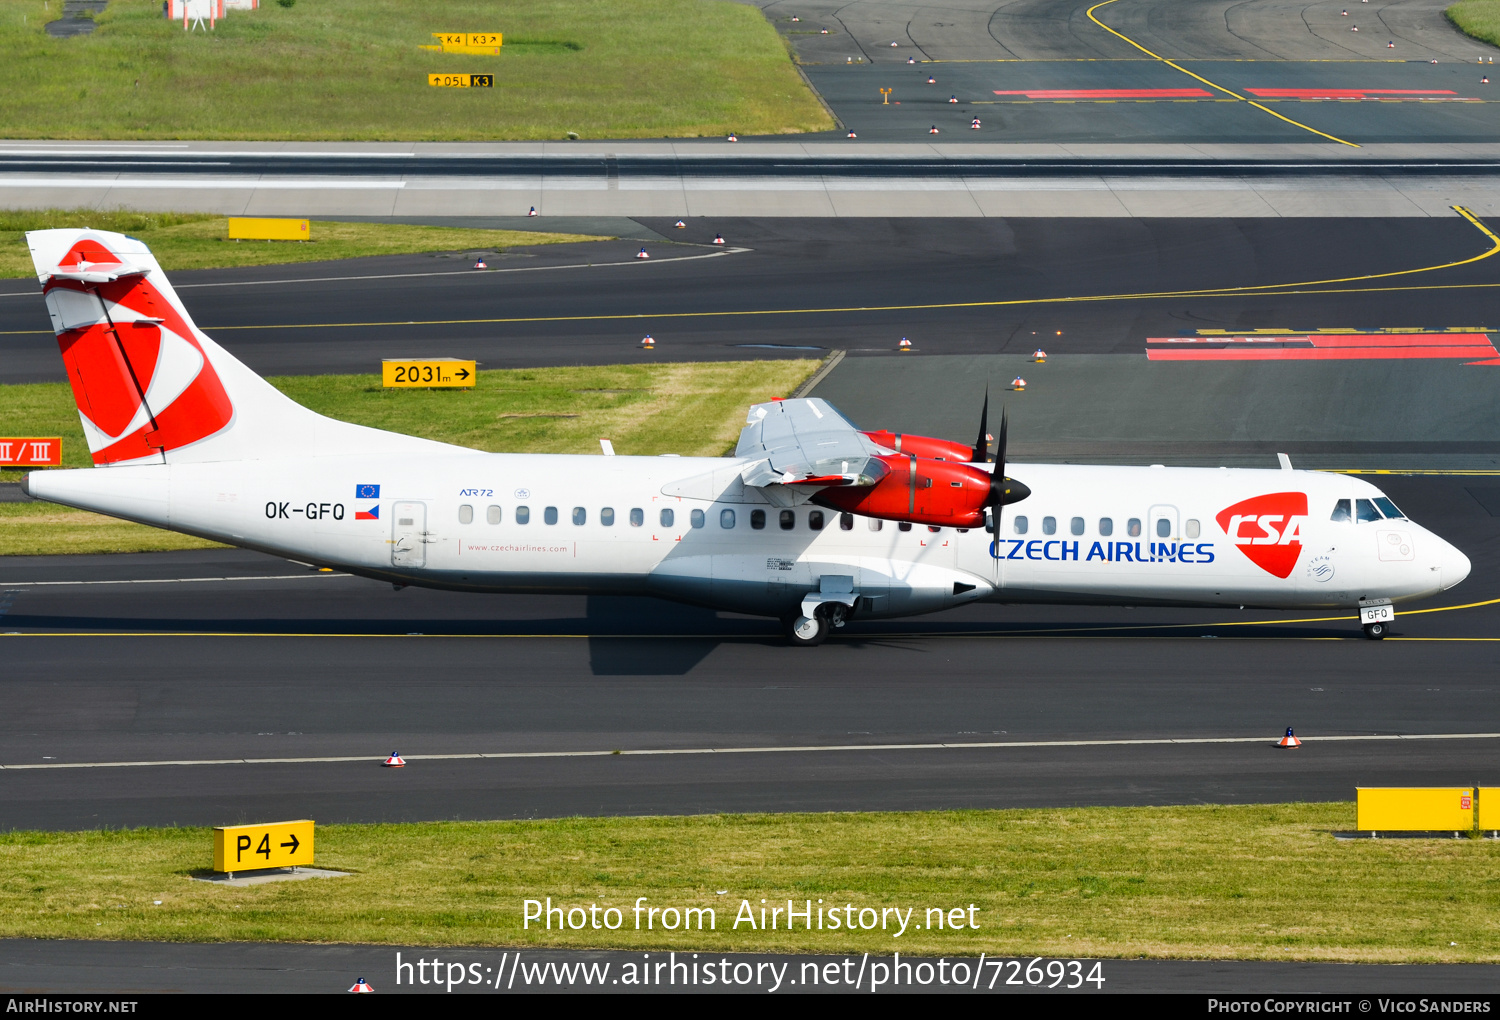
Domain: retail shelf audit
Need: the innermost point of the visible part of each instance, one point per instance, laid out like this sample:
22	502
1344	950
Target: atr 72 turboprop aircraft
811	520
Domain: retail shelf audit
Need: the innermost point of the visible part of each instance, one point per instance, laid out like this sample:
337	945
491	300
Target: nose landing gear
1376	631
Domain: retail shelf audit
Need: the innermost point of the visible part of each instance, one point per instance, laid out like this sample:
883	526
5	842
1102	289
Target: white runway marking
796	749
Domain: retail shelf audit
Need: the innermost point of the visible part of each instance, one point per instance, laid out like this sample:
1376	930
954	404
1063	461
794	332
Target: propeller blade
1003	490
982	444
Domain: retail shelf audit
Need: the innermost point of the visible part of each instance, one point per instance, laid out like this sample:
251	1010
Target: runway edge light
395	761
1290	740
361	987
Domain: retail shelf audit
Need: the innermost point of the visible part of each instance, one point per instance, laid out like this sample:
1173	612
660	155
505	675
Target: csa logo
1268	529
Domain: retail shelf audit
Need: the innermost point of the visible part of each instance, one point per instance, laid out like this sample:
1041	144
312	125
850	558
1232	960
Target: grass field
351	70
695	409
1478	18
199	241
1259	881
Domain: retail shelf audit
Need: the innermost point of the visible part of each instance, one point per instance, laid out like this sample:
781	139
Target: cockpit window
1388	508
1364	511
1341	511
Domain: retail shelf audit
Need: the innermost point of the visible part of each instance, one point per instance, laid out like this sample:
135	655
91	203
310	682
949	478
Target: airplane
811	521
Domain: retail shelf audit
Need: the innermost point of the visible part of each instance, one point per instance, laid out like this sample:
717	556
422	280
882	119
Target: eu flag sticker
367	492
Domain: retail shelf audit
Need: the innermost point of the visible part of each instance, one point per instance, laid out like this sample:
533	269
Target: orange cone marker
395	761
1018	384
1290	740
904	345
1039	356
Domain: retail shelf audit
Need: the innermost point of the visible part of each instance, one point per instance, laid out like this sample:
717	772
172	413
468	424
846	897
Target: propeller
1003	490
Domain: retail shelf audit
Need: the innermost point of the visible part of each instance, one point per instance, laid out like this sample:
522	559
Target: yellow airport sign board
469	42
427	372
256	847
248	228
1489	807
1415	809
461	81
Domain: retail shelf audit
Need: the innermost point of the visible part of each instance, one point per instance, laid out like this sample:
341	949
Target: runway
152	968
273	662
799	288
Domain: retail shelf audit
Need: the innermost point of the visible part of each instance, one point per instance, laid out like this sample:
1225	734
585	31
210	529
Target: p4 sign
1268	529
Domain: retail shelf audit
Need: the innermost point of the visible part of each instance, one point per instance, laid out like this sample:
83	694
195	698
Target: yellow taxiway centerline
1199	77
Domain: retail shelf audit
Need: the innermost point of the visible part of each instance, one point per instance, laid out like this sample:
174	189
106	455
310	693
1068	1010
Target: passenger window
465	514
549	515
607	517
580	515
1076	525
726	519
1389	509
1049	525
523	515
1106	526
1364	511
846	522
1163	528
1192	529
815	520
492	514
1341	512
933	530
757	519
1020	524
1133	527
788	519
697	518
637	517
667	517
904	526
874	524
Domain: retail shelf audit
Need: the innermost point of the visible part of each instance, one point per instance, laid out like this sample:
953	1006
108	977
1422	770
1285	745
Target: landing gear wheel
806	631
1375	631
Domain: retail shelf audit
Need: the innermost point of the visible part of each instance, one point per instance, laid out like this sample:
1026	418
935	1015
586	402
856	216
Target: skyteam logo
1268	530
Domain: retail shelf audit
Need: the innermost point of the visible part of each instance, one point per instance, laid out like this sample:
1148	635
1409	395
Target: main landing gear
807	631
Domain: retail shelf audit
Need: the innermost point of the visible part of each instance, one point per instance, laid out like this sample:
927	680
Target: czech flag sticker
367	492
372	514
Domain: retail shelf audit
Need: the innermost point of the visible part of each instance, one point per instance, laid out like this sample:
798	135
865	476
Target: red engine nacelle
922	446
920	490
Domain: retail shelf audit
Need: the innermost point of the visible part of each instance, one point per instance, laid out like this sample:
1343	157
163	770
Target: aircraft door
408	534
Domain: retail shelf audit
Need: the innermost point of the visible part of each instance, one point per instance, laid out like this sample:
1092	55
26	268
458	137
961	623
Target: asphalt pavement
131	969
784	287
276	690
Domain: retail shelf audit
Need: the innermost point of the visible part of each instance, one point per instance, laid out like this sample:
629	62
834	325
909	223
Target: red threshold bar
1345	93
1108	93
1322	347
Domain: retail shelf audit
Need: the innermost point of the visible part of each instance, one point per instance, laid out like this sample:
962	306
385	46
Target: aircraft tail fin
150	386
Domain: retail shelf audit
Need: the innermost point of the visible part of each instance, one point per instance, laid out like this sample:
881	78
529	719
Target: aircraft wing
806	442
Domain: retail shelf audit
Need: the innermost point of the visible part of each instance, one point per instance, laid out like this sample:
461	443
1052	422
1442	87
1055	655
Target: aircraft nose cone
1454	567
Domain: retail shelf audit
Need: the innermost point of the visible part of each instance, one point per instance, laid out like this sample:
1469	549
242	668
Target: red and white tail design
150	387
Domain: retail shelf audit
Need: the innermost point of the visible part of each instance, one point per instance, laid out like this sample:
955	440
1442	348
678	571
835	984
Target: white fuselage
682	528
